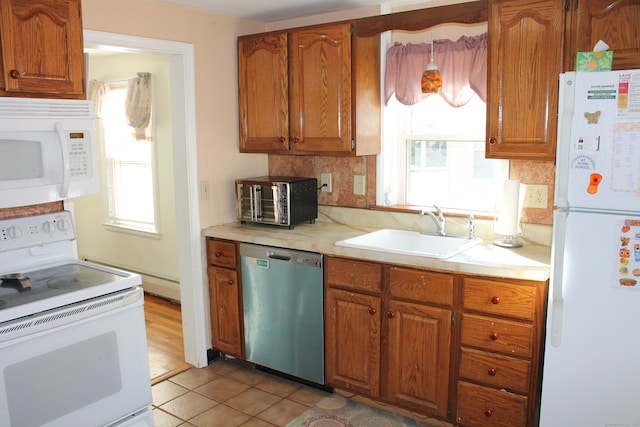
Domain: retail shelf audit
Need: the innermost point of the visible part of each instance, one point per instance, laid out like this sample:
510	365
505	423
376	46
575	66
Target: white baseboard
164	288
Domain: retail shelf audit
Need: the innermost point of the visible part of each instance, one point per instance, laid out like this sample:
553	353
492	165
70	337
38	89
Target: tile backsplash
343	170
21	211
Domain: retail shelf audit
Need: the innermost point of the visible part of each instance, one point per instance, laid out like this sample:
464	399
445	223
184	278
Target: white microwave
47	150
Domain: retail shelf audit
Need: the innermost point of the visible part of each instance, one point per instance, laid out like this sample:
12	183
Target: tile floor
229	393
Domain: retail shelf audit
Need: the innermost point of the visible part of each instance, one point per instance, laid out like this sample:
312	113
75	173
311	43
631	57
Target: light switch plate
358	185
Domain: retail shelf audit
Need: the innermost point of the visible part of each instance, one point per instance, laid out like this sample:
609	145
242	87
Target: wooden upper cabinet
320	95
524	61
42	48
263	93
312	90
617	22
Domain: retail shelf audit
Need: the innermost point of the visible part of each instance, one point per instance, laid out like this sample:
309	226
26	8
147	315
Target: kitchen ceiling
276	10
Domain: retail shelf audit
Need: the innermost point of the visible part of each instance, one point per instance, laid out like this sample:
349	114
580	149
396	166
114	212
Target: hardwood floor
164	338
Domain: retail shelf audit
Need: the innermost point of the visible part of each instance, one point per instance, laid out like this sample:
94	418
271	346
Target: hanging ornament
431	78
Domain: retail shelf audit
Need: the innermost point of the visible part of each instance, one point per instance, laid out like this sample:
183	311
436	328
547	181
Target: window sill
131	230
417	209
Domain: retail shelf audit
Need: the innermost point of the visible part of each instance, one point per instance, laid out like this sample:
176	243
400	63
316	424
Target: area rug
337	411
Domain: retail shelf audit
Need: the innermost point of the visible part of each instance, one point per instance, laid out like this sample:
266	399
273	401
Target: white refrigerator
591	372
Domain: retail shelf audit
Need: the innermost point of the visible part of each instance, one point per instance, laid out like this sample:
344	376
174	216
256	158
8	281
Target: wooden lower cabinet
352	345
225	298
460	348
418	355
396	349
500	352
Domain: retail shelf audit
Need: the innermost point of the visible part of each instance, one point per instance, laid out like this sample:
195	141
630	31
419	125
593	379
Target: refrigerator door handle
557	275
565	114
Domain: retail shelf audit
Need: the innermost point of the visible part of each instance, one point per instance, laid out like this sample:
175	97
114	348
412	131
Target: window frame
114	222
397	127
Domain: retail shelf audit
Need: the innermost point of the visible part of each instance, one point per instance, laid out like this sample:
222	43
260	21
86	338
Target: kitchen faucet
439	220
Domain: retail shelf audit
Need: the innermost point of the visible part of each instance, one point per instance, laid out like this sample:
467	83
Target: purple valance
463	65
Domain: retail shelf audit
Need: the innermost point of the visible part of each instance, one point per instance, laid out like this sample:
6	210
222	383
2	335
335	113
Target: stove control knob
14	232
63	225
48	227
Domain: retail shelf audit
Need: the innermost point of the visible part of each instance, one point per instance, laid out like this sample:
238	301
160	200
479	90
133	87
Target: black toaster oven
277	200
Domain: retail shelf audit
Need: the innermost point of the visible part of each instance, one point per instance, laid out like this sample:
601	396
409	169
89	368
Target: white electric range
73	347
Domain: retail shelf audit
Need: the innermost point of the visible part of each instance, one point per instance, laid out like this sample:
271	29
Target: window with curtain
433	151
129	160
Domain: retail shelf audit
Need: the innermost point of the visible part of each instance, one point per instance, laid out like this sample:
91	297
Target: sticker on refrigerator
627	265
625	174
629	97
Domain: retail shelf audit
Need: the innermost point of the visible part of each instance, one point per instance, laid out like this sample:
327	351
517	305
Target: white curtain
98	92
138	101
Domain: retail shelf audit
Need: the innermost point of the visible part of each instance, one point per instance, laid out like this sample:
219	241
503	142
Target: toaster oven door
257	203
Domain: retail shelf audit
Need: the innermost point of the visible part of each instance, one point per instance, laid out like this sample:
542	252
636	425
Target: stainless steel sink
410	243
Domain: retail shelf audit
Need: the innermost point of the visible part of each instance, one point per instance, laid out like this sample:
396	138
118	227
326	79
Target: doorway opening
189	240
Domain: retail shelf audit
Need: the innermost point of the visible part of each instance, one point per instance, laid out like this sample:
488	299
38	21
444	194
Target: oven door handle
66	168
256	191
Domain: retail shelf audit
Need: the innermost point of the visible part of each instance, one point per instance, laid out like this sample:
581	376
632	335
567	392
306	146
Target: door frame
190	241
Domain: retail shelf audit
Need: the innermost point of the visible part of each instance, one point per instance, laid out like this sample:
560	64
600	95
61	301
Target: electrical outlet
536	196
325	183
358	185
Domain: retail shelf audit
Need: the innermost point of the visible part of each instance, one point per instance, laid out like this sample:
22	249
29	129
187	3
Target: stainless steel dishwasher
283	301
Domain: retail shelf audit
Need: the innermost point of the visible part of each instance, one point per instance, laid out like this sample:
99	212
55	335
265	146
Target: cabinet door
523	66
352	341
320	89
42	49
224	295
614	21
419	356
263	90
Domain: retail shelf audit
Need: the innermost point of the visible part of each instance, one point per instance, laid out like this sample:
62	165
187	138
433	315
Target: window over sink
434	152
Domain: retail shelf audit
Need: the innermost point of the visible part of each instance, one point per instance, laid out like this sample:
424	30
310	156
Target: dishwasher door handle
274	255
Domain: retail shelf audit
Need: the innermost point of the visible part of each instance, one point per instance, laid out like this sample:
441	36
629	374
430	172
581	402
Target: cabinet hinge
448	411
352	29
567	5
453	318
353	144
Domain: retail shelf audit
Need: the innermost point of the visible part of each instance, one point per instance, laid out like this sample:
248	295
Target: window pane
129	154
433	153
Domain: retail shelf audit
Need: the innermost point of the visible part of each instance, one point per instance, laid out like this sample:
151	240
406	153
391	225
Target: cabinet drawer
421	286
357	275
221	253
502	336
487	407
495	370
498	298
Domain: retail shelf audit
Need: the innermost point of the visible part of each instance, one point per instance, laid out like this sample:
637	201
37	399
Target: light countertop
530	262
